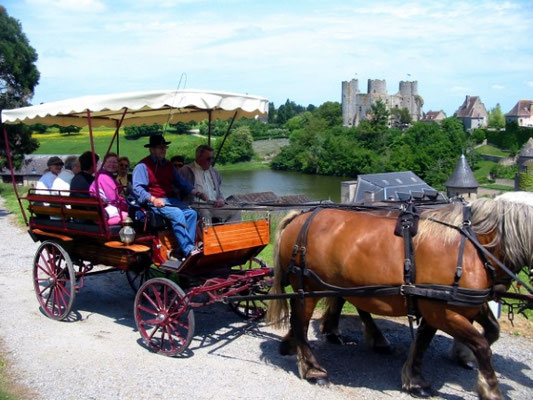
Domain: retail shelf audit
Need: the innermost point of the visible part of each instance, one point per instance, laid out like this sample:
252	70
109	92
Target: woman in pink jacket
115	205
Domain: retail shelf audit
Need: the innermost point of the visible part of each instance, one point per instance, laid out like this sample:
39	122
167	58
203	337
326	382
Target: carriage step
171	265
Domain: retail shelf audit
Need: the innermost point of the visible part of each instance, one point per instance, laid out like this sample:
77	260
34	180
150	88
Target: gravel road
100	355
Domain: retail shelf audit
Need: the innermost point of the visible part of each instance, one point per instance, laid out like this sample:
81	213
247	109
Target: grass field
492	151
56	143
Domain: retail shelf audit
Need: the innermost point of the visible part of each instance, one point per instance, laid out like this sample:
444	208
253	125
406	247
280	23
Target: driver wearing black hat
154	180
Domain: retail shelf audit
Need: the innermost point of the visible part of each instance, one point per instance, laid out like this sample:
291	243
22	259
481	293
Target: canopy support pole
96	173
225	137
10	162
115	136
209	127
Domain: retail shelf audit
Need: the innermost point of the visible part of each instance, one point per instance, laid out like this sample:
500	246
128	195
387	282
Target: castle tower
349	95
377	87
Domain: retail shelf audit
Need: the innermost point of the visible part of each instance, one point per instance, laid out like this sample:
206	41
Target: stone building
521	113
434	116
473	113
356	105
462	182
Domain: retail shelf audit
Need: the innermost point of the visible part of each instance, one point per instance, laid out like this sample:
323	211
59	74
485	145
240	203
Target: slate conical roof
462	176
527	150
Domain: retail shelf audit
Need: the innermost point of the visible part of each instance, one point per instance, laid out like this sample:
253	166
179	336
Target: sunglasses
210	159
124	165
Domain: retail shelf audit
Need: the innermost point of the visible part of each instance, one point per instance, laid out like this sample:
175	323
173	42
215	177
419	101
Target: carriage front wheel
54	280
163	316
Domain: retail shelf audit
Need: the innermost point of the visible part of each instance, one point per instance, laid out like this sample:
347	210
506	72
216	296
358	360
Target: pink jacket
107	188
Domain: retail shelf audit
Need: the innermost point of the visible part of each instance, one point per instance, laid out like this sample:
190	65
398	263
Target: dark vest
160	178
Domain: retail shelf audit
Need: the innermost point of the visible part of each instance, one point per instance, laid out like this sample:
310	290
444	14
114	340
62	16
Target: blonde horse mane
510	222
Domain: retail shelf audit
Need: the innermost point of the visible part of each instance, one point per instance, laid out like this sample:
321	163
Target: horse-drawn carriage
364	255
77	240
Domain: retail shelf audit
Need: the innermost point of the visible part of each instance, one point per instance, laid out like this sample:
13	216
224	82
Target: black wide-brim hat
157	140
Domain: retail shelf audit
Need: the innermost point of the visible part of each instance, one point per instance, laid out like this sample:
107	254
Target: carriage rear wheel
54	280
252	309
163	316
137	275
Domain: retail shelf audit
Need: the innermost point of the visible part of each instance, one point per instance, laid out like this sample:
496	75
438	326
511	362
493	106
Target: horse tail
278	310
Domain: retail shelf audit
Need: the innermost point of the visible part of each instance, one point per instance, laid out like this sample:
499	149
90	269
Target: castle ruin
356	105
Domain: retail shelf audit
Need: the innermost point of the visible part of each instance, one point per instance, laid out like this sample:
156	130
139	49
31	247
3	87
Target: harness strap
300	247
407	221
464	297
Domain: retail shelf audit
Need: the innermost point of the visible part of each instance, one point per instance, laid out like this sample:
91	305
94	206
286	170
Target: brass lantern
127	233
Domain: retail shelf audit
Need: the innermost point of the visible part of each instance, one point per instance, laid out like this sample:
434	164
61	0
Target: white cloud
70	5
458	89
530	83
498	87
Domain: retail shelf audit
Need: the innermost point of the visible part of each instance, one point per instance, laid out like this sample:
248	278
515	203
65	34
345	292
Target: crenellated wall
356	105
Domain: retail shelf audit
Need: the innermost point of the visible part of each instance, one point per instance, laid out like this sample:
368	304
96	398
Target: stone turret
462	180
377	87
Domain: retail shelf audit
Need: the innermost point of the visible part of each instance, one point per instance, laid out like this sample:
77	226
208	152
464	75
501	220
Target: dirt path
99	355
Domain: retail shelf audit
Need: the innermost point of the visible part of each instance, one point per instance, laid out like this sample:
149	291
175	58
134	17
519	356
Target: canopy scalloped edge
142	108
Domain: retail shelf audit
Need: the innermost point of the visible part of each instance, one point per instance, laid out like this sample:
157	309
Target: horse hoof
334	339
286	349
383	349
319	381
467	364
421	392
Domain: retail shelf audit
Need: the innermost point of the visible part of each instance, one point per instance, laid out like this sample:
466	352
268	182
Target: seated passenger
115	207
81	182
178	161
123	177
54	164
62	182
206	179
154	179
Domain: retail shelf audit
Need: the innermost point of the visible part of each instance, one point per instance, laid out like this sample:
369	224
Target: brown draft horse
350	249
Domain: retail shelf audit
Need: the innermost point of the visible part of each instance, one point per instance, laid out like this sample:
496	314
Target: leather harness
406	227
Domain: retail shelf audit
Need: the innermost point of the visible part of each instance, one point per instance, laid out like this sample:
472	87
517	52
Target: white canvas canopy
142	108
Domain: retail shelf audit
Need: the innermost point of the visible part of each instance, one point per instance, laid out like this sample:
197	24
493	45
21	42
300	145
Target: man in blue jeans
154	183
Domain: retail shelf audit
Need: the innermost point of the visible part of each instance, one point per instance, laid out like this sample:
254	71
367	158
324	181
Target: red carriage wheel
163	316
253	309
54	280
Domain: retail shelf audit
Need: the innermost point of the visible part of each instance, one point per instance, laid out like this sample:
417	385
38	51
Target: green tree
18	78
380	114
401	117
137	131
69	129
331	112
496	117
39	128
238	146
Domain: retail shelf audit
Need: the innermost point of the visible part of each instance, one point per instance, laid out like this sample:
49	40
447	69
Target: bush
478	136
503	172
136	131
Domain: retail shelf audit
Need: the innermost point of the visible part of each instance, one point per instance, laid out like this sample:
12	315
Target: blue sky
301	50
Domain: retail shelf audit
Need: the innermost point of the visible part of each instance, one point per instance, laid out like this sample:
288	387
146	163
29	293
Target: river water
316	187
